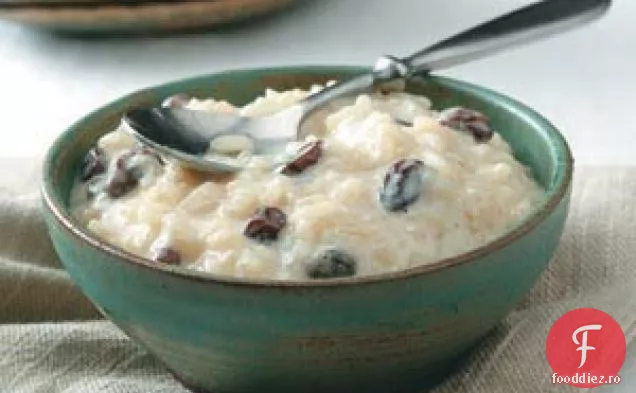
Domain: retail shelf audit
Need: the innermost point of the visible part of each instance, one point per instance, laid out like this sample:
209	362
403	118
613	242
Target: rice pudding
378	183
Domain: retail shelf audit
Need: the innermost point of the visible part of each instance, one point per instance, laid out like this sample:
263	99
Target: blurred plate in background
93	17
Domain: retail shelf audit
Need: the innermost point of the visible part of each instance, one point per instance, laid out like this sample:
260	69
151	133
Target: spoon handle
538	20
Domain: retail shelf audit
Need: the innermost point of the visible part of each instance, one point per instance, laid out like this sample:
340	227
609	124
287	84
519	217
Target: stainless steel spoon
186	135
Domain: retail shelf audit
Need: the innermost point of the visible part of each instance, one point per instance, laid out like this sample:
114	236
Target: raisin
94	164
469	121
402	185
331	263
167	255
176	101
122	180
306	156
265	224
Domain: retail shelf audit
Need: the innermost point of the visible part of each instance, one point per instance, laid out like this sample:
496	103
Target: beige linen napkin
51	339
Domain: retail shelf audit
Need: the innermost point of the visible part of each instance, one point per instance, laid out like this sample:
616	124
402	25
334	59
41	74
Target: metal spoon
186	135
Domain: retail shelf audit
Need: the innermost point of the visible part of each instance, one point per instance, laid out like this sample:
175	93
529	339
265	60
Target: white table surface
585	81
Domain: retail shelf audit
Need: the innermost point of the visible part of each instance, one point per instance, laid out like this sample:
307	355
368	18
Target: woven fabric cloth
52	340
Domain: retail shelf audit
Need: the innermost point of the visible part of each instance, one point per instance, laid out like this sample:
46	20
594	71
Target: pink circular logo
586	348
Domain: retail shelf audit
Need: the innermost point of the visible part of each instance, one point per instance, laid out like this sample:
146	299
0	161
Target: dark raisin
176	101
331	263
265	224
402	185
94	164
307	156
122	180
167	255
126	175
481	131
469	121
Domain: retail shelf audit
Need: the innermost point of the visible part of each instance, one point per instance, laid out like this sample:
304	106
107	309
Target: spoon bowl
207	142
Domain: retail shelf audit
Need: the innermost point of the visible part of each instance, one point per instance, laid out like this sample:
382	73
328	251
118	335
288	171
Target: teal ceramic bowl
393	332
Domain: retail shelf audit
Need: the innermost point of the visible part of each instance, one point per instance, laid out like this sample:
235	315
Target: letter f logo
583	344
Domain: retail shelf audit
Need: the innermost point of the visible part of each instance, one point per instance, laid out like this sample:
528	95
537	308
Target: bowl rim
557	191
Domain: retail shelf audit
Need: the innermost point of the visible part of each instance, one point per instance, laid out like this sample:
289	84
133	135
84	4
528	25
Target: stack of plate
127	16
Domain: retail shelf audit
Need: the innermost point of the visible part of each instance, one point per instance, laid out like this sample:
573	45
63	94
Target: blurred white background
584	81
